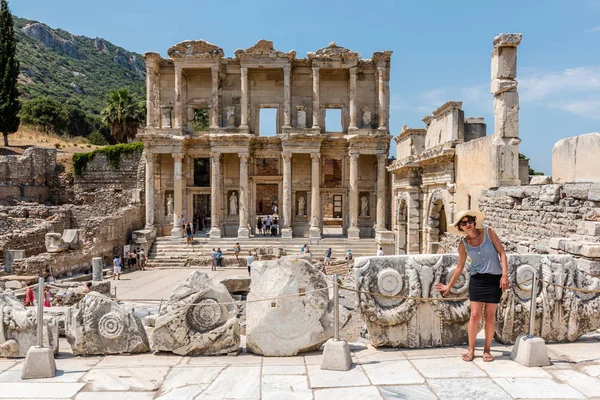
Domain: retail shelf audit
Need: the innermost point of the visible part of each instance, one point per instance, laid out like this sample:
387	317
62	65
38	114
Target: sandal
487	357
468	357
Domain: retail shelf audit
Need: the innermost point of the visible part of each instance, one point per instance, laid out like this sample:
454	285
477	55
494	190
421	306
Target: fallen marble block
234	284
18	328
199	319
288	326
54	243
561	315
72	293
72	238
412	323
98	325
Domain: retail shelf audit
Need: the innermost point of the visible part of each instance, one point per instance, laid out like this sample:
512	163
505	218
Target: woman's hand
443	289
504	283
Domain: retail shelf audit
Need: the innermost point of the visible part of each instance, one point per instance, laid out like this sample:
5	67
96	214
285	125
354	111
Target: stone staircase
167	252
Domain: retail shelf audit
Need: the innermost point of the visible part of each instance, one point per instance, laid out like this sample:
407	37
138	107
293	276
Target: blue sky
441	48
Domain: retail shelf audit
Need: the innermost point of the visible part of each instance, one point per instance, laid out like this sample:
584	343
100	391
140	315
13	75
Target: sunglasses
468	221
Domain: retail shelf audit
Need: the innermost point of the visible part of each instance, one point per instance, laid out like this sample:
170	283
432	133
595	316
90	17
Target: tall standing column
243	230
352	96
354	230
381	97
244	99
177	232
287	116
381	161
215	195
315	207
152	90
316	98
214	120
178	97
150	189
286	231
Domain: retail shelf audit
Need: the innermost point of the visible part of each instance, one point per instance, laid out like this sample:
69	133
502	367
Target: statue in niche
170	205
301	206
301	116
366	119
364	206
231	117
233	204
166	117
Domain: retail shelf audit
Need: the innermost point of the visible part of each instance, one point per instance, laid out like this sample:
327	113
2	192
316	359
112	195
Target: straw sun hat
479	217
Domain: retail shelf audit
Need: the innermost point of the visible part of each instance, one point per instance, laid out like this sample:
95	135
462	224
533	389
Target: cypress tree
9	74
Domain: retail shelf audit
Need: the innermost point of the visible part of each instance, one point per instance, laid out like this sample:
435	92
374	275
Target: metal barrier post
336	308
40	313
533	305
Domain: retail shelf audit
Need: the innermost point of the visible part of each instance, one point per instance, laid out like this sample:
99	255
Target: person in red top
28	297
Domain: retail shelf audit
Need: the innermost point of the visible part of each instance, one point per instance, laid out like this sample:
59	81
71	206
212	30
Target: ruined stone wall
26	176
472	163
527	217
99	174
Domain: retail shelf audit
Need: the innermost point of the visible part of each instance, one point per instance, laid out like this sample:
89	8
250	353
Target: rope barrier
389	296
575	289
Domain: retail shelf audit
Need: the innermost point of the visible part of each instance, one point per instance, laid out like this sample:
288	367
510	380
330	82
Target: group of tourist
268	225
136	259
328	253
216	257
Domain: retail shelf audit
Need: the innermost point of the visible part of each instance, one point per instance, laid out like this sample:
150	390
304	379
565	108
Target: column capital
244	70
287	157
214	68
287	69
381	158
381	68
315	70
178	156
242	156
353	155
215	154
315	156
150	157
352	71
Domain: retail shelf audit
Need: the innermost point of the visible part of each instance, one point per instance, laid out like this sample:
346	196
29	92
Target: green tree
46	114
97	138
123	114
9	74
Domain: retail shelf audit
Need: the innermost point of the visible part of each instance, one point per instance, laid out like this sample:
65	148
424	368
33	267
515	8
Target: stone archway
436	221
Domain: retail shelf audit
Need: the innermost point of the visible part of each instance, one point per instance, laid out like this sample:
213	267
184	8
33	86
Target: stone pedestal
97	267
39	363
243	233
354	233
336	356
385	240
286	233
530	351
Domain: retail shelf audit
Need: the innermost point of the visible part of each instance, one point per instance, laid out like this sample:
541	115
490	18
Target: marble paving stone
324	379
122	379
313	358
242	359
537	388
288	387
362	393
234	383
438	352
185	376
510	369
583	383
399	372
67	370
115	396
585	349
283	370
183	393
298	360
461	389
379	356
140	360
59	390
410	392
449	368
6	365
591	369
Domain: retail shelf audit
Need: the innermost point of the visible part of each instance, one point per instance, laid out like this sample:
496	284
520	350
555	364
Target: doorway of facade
333	215
267	205
201	210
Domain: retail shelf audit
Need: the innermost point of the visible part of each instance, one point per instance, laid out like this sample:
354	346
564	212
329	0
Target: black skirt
485	288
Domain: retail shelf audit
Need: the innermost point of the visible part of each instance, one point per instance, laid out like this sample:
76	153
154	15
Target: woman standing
47	297
489	275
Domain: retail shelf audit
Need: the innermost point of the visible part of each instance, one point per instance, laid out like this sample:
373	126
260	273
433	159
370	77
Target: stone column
152	90
244	228
315	206
286	231
287	90
150	158
381	161
505	152
215	195
353	231
381	97
352	96
178	97
214	117
244	99
177	232
316	99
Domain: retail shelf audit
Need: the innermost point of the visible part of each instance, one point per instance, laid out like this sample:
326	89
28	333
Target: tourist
380	252
274	229
303	249
259	225
489	275
47	297
267	225
132	260
142	255
249	261
28	297
327	256
188	233
219	257
236	250
213	260
348	257
137	258
117	268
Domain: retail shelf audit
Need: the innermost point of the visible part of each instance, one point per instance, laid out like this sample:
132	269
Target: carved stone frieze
263	49
333	52
196	49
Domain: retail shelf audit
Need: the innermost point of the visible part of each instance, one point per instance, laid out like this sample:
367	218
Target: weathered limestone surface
200	319
575	159
561	315
18	328
98	325
240	283
289	326
28	176
55	243
409	322
73	292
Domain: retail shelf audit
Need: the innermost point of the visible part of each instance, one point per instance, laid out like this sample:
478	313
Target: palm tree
123	114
